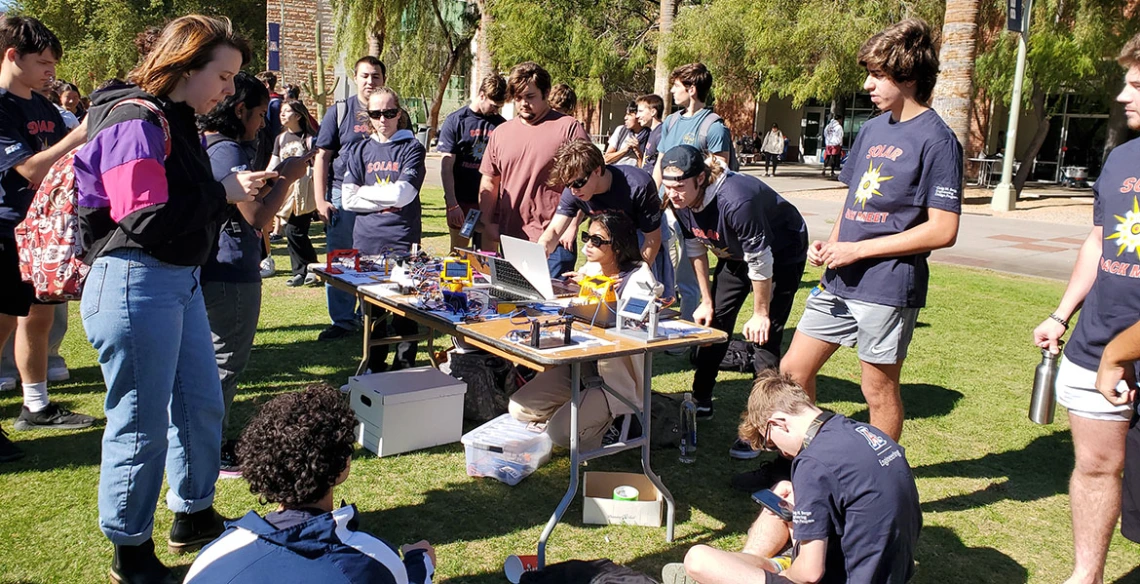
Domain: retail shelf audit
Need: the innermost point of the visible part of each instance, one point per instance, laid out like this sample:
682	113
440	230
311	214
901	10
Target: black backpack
583	572
664	421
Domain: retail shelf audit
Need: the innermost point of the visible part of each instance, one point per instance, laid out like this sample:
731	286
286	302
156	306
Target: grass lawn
993	484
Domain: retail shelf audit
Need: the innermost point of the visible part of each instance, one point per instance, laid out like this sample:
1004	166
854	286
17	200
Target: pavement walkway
1000	243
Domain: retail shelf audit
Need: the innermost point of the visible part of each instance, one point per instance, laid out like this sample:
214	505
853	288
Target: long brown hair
186	44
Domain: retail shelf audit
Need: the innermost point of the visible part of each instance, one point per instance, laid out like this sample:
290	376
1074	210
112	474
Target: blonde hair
573	160
363	115
186	44
771	392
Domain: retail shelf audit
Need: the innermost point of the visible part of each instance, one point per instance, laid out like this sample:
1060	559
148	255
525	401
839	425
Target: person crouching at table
611	250
382	186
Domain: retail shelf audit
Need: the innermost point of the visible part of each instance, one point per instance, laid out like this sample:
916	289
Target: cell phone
469	224
774	503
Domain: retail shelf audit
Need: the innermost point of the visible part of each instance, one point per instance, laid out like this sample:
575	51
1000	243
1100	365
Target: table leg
366	352
647	408
575	399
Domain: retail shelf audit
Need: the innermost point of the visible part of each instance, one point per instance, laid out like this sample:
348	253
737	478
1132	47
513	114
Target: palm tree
665	27
954	92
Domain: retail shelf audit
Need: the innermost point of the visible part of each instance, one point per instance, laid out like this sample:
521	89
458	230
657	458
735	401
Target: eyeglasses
594	240
388	113
767	445
580	183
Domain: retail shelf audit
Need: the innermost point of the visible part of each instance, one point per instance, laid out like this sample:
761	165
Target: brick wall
298	20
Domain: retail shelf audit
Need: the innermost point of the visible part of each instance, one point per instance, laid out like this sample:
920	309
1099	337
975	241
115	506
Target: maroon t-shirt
522	155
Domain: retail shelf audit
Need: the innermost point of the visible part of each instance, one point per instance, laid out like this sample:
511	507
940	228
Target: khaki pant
546	398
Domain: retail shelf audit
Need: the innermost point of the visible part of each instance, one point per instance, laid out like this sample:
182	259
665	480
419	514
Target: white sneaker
268	268
58	374
8	383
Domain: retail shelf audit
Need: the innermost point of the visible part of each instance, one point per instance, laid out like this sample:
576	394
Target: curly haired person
294	453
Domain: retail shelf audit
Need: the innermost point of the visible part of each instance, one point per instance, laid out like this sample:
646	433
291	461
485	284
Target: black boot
137	564
191	531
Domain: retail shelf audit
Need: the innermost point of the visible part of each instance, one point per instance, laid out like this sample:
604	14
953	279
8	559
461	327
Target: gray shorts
881	333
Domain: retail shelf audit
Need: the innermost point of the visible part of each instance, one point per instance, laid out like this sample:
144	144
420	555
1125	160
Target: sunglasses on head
594	240
580	182
387	113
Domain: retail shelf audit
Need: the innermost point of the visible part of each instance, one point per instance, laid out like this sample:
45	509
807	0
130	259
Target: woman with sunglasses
610	246
382	181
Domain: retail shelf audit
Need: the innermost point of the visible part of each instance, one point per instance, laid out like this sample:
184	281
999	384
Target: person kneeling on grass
611	250
855	512
294	452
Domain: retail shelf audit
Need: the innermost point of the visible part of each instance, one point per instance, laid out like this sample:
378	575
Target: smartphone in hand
774	503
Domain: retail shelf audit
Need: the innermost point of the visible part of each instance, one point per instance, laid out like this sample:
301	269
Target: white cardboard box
599	506
407	410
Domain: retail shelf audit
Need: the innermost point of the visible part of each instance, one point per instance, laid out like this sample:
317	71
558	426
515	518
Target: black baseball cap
685	158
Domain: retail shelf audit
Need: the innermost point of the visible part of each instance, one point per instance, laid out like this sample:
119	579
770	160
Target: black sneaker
229	469
742	450
8	450
704	410
137	564
52	417
613	433
333	332
768	474
191	531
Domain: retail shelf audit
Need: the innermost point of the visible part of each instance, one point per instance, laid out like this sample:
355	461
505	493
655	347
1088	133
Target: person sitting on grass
611	249
294	453
854	508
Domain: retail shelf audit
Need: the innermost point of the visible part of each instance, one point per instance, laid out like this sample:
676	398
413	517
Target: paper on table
674	329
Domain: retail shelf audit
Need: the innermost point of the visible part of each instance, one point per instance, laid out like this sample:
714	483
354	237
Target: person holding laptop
611	250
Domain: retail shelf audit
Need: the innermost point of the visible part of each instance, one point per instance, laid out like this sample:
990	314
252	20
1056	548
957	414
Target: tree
954	93
98	35
1072	48
664	29
802	50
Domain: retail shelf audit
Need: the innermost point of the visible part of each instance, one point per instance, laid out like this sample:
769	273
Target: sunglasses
580	183
388	113
594	240
767	445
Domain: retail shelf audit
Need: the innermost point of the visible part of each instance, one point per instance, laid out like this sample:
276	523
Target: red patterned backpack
50	246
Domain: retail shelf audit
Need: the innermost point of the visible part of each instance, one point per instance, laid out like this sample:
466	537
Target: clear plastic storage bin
505	449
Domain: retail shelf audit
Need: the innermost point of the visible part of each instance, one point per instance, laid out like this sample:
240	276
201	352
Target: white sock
35	396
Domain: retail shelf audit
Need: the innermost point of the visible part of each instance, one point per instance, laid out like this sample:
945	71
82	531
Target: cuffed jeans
233	309
147	321
338	235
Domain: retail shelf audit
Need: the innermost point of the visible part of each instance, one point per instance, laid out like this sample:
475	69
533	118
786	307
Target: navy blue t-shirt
374	163
27	127
903	169
746	216
632	191
651	152
465	134
339	137
854	488
1113	302
237	253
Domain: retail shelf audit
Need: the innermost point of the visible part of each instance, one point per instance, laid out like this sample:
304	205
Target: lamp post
1004	197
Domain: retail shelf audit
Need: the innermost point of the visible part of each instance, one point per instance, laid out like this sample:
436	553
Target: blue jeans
147	321
560	261
685	278
338	235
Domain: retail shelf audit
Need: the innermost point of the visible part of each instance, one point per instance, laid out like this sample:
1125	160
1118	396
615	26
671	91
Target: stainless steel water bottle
1043	403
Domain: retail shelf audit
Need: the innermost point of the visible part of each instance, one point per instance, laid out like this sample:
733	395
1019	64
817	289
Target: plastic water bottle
688	430
1041	406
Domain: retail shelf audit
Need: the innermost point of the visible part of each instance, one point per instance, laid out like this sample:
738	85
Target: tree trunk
376	35
453	58
1035	144
955	89
665	29
484	65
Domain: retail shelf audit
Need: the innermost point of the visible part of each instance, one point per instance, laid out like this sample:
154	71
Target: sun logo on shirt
1128	230
380	182
870	183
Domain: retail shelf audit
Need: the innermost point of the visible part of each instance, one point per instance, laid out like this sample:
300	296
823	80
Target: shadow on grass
943	558
920	400
1021	468
45	452
1132	577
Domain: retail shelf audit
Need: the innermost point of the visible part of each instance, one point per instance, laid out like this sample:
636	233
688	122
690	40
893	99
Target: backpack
703	136
48	239
745	357
664	421
601	571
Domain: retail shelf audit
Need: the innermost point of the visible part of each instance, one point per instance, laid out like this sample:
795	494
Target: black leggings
730	288
301	252
773	159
